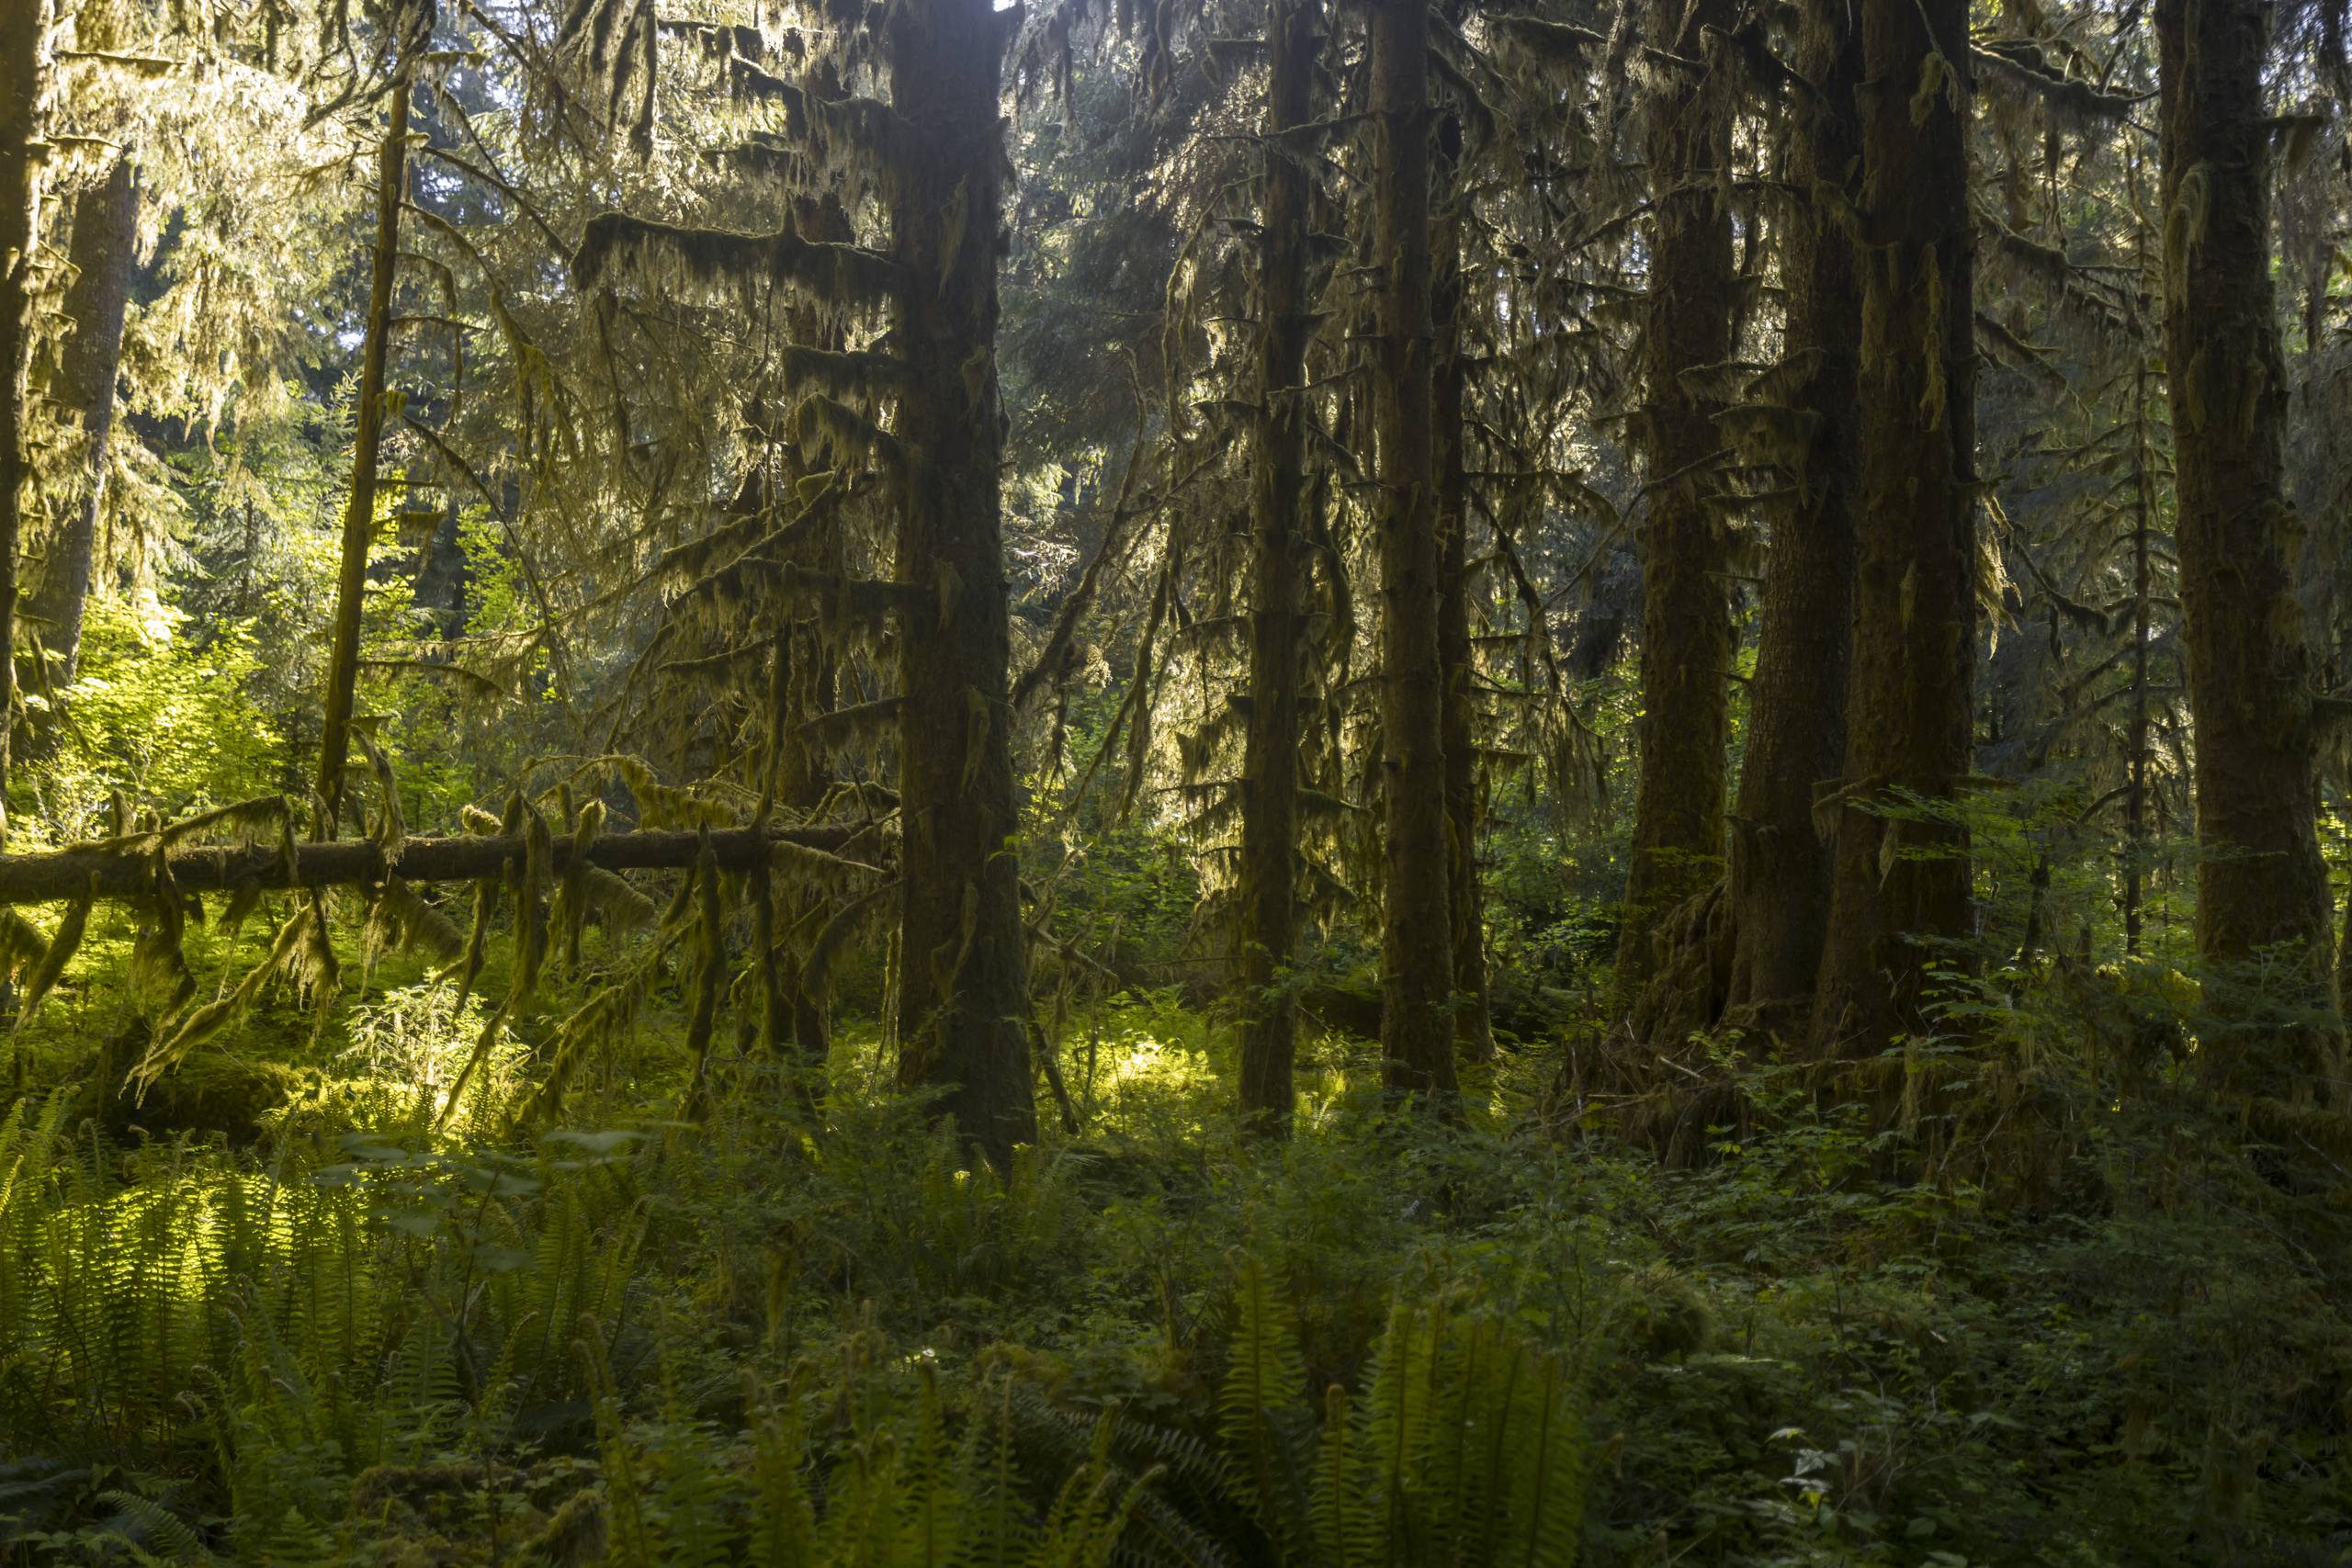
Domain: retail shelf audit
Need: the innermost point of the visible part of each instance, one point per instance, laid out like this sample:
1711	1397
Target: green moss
210	1092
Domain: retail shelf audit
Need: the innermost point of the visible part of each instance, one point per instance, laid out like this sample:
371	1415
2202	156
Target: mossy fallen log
128	872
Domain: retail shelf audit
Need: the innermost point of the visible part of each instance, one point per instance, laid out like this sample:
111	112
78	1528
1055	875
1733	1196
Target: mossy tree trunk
366	444
962	988
1473	1035
806	676
1797	735
1900	883
24	30
1270	816
104	245
2260	879
1417	941
1687	640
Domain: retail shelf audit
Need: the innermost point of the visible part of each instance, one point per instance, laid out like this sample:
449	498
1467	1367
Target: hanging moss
859	377
832	431
300	955
57	952
400	917
858	722
2020	67
723	266
848	601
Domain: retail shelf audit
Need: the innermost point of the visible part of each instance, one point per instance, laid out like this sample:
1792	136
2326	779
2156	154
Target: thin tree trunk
359	511
2260	879
1269	924
802	690
1416	938
1796	734
2144	510
2135	801
1687	639
24	30
1473	1035
962	1001
105	234
1902	883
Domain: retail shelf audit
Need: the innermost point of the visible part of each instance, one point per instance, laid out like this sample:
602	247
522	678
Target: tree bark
367	437
1900	883
1269	850
104	245
1687	639
1474	1034
2260	879
1416	945
24	30
963	981
1797	735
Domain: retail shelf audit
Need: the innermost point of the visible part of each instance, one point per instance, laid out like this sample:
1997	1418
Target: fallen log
121	872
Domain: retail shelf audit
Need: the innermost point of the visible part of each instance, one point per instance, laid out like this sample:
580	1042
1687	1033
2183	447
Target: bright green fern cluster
314	1322
1467	1448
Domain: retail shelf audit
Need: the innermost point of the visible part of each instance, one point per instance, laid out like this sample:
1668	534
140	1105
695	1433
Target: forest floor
2094	1336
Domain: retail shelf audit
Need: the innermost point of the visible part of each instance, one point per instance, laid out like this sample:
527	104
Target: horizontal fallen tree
128	871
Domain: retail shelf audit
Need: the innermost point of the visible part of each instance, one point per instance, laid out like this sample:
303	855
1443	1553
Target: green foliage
300	1325
1467	1448
160	715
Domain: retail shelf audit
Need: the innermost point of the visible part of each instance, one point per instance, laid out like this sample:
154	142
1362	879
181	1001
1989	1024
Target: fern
1261	1407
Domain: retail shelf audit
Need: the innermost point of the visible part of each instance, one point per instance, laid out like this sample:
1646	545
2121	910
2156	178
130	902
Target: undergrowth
358	1340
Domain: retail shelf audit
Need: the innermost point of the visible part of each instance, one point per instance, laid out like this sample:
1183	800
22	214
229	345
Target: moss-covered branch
117	873
721	261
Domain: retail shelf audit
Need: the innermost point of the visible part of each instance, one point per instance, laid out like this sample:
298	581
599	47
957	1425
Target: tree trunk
962	988
1687	639
1416	938
2260	879
807	672
1796	733
24	29
1474	1034
106	235
1269	850
2135	801
1900	883
367	436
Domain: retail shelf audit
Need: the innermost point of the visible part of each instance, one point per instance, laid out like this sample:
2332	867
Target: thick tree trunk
1900	883
24	30
2260	880
1416	938
367	437
105	243
1796	734
1687	639
1474	1034
1269	850
963	981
